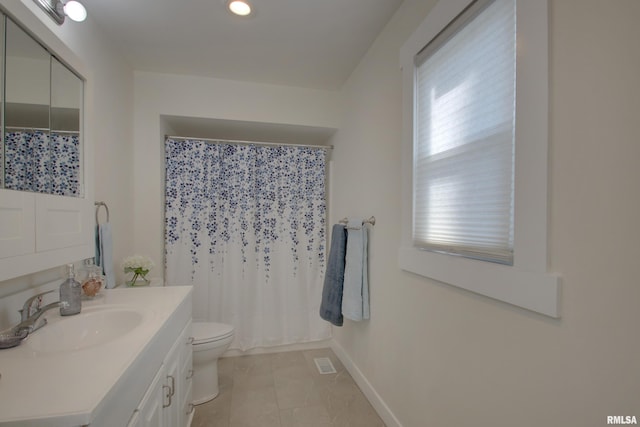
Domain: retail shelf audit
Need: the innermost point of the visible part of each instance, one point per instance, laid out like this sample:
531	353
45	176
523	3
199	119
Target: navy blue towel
331	306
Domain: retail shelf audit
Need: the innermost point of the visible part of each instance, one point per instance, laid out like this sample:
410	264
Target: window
464	136
475	150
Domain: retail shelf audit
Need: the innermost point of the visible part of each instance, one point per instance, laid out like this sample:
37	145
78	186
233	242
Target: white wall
158	95
109	119
440	356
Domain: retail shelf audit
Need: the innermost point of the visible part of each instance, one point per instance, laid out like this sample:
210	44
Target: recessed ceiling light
240	7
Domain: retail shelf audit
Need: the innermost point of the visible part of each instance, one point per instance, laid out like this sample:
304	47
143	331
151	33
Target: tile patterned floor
285	390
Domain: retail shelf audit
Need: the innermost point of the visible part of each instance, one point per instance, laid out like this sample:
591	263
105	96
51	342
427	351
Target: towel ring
98	205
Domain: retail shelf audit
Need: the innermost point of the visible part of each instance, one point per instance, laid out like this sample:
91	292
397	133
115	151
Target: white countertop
72	388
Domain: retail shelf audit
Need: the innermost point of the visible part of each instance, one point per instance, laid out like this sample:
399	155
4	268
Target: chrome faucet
27	309
31	324
29	317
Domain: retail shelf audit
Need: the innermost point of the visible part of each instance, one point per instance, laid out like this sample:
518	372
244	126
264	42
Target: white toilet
210	340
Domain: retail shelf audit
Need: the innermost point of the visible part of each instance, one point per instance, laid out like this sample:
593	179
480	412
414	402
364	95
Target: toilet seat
208	332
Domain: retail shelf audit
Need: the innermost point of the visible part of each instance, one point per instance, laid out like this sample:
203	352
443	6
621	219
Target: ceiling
303	43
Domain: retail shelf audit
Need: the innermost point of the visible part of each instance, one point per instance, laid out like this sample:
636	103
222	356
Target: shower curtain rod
40	129
230	141
27	128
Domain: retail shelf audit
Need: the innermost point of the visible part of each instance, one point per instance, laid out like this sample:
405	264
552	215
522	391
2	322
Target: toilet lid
204	332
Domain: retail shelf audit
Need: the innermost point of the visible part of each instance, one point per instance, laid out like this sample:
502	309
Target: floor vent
324	365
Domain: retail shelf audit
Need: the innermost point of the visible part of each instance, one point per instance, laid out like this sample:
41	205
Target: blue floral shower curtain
42	162
245	225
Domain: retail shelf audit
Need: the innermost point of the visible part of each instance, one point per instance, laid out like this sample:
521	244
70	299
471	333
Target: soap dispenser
70	294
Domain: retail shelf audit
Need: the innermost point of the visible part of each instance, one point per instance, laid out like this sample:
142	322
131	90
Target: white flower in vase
138	265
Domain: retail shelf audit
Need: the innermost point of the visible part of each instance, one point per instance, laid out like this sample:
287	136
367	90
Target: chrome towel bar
371	221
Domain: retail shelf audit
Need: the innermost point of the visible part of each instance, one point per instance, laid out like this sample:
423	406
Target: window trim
527	283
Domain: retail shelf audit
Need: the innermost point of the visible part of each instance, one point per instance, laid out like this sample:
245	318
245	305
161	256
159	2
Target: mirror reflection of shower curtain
246	226
41	162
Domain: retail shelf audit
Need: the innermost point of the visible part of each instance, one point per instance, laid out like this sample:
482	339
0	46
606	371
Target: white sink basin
93	326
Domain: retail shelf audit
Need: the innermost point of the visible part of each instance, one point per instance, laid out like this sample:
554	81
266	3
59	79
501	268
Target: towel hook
98	204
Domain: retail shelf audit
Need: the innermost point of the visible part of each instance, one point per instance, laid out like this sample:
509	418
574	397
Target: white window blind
463	189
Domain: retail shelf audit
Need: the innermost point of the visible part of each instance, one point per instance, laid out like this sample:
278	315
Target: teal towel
355	299
98	257
104	254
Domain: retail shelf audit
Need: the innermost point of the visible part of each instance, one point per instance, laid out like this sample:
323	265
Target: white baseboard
370	393
279	349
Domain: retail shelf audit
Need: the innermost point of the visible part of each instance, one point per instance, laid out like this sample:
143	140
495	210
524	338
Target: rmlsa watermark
621	419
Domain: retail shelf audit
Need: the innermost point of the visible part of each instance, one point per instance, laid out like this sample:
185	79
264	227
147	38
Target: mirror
66	103
42	107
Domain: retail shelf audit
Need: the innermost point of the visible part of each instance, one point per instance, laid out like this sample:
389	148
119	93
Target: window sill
538	292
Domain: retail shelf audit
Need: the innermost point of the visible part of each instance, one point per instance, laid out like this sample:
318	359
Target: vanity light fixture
239	7
57	10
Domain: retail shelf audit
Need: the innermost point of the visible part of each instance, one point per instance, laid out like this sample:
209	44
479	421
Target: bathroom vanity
125	360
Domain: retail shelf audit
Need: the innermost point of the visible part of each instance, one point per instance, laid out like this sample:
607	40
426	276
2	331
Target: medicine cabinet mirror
42	105
46	195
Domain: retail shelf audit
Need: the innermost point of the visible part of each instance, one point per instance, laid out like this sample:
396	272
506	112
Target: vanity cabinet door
167	402
150	412
178	364
186	376
172	385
